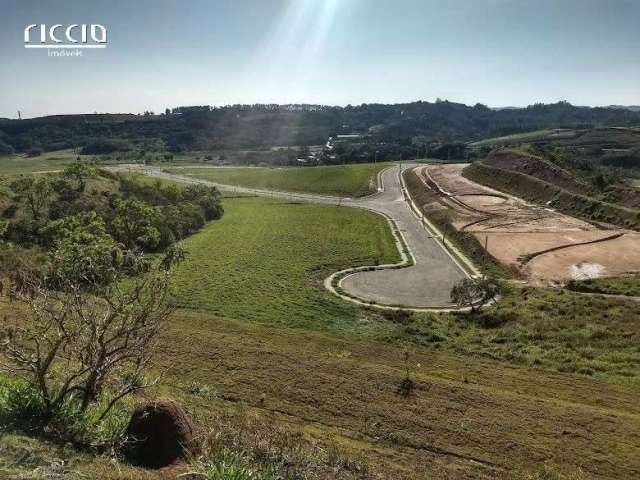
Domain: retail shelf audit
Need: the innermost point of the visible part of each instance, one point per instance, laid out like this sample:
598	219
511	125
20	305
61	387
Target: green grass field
16	164
266	261
354	180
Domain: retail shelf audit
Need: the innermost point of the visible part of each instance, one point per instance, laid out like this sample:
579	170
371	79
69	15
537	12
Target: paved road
426	284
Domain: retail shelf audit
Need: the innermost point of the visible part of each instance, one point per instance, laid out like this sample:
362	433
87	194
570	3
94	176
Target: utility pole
19	115
484	257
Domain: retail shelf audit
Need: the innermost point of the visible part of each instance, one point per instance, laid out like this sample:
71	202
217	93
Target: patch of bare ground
541	243
611	258
468	418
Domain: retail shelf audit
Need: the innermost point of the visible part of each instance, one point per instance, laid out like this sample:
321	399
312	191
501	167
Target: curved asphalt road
426	284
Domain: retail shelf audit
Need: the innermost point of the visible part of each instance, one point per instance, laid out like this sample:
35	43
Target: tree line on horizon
259	126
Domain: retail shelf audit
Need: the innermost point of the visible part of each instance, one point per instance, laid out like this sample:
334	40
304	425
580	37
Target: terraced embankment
509	173
542	243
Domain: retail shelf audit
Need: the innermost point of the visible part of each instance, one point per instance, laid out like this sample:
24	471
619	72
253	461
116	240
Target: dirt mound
160	433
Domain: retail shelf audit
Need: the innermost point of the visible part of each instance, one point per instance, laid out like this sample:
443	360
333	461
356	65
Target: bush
494	318
403	317
34	152
226	464
22	408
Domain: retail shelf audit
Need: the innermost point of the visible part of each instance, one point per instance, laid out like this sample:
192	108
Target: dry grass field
468	417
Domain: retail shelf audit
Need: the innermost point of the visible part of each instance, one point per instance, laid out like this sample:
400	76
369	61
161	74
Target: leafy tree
206	197
465	293
80	172
34	192
135	223
83	252
489	289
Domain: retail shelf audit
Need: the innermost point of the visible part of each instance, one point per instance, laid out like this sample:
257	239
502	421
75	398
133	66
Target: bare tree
474	292
84	341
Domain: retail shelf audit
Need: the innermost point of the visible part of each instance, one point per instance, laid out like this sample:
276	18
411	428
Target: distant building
348	138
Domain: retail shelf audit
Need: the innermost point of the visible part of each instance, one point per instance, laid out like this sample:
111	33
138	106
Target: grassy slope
464	408
15	164
552	329
469	418
623	285
23	457
514	138
266	261
342	180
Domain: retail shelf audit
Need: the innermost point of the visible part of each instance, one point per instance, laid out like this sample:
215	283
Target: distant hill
255	126
606	138
633	108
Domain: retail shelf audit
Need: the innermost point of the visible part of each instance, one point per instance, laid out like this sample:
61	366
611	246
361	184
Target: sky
164	53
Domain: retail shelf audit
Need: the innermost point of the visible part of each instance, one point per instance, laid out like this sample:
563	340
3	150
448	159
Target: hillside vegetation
343	180
627	285
248	126
99	209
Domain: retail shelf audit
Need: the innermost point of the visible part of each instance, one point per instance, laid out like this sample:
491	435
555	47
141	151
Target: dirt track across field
425	285
542	243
